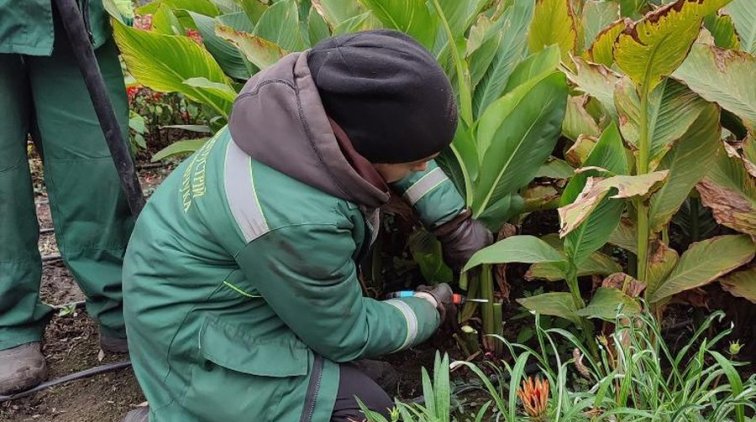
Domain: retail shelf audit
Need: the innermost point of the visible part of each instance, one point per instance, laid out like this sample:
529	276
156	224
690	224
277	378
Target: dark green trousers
46	97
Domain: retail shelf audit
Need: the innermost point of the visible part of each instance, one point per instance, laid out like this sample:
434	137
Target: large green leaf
184	147
724	77
461	14
253	9
482	47
661	262
655	46
409	16
204	7
672	108
598	81
336	12
317	28
361	22
535	66
280	25
744	17
464	149
723	31
164	62
517	134
259	51
704	262
426	252
600	51
556	168
597	263
501	211
730	192
559	304
687	163
522	248
226	54
553	23
625	236
594	232
607	303
598	15
741	284
165	22
514	23
596	189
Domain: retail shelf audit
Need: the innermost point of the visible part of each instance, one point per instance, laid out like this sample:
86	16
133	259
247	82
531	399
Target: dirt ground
71	342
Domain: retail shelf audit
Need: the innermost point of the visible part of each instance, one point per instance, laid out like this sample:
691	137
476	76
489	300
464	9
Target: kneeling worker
241	295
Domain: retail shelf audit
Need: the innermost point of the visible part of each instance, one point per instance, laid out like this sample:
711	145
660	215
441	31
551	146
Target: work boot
141	414
113	344
381	372
21	367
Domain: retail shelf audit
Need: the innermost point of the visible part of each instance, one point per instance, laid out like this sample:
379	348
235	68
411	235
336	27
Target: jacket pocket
232	347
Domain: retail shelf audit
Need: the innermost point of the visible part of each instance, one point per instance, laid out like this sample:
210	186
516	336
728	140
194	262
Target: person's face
394	172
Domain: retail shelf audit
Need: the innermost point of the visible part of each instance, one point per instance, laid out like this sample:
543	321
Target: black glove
460	238
442	295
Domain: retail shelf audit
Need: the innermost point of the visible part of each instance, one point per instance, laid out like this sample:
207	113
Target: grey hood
279	120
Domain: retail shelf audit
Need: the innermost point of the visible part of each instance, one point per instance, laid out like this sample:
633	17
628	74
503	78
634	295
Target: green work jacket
241	292
26	26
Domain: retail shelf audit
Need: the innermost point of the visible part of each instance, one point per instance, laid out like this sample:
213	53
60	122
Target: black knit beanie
388	94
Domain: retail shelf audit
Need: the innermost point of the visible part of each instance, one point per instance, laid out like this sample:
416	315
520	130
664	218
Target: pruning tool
457	298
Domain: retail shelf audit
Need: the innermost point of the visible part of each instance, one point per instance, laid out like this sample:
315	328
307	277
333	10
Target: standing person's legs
90	213
353	382
22	314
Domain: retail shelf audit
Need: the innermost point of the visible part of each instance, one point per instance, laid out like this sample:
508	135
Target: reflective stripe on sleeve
241	194
424	185
410	317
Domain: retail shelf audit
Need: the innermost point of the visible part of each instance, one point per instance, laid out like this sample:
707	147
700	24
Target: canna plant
511	104
658	94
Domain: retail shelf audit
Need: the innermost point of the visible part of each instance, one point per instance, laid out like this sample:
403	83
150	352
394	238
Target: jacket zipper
312	390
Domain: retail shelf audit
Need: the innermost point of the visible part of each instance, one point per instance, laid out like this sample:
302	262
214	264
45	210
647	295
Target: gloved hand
440	296
460	238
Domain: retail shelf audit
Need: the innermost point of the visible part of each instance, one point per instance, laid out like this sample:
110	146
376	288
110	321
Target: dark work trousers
352	382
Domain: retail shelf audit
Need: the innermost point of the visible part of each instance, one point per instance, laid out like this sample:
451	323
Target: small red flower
143	22
194	35
131	92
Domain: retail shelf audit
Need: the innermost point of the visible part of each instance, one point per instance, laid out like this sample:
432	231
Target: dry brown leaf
632	287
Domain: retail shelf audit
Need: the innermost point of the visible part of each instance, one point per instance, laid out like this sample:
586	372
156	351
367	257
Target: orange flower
535	397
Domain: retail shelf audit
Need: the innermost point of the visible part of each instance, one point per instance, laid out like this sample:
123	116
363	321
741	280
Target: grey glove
441	295
460	238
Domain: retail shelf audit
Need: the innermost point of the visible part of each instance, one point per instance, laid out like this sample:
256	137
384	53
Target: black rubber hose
70	377
78	37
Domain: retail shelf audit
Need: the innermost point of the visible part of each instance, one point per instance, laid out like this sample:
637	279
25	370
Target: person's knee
354	385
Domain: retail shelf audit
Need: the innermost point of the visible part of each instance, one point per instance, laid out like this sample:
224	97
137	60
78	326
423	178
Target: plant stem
572	283
644	148
694	207
498	328
487	308
585	323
